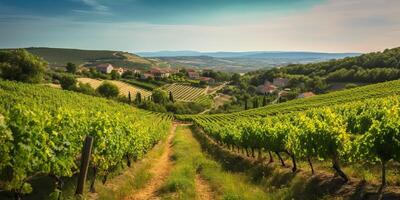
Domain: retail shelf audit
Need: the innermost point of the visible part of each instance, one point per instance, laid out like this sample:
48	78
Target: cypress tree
264	101
171	98
138	98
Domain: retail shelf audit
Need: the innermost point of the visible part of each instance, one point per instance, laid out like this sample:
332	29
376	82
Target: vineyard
185	92
124	88
366	131
370	91
43	129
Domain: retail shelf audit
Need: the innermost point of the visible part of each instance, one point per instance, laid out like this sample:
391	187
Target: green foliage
159	97
71	68
115	75
68	82
20	65
364	131
107	89
45	127
86	88
369	68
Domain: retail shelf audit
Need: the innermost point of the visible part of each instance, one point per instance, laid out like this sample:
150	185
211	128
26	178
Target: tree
20	65
138	98
108	90
264	101
68	82
115	75
171	98
255	102
71	68
235	78
159	97
246	99
86	88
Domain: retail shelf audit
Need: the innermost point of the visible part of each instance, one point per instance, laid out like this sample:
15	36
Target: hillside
367	68
370	91
59	57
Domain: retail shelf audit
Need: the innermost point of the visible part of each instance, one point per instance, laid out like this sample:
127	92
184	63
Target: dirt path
159	171
203	189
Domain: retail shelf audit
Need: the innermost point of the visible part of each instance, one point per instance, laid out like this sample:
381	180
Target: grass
190	160
280	183
132	179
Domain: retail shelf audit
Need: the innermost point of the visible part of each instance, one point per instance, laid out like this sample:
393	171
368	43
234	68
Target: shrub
107	89
71	68
20	65
86	88
68	82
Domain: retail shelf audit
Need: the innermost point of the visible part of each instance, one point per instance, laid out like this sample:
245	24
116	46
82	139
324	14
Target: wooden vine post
86	151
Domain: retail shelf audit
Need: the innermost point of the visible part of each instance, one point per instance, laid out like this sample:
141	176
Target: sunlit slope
343	96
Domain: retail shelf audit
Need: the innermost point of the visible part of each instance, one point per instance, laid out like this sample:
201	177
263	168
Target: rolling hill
59	57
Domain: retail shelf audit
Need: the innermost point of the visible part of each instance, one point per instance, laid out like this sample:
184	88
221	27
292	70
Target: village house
280	82
159	72
266	88
193	75
305	95
207	80
105	68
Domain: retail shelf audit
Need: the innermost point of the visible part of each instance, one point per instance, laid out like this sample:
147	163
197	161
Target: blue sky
204	25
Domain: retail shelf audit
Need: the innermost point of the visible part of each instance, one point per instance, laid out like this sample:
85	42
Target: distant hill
240	61
251	54
58	57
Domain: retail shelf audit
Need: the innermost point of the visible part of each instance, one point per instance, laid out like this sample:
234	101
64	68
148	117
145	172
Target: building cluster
155	72
279	85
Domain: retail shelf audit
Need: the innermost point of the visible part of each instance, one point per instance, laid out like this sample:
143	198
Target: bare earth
203	189
160	171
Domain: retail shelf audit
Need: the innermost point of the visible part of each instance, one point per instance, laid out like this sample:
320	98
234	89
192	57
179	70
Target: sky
202	25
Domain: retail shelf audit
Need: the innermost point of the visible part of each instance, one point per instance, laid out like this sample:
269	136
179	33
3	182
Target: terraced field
185	92
124	88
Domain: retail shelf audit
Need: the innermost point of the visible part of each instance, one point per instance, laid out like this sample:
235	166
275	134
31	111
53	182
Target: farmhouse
193	75
160	73
267	88
105	68
207	80
306	95
280	82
